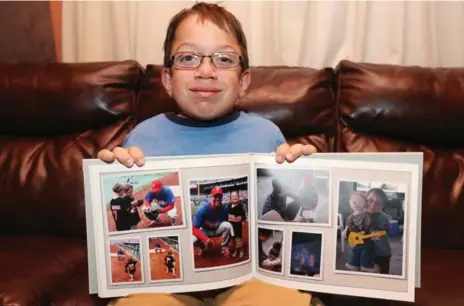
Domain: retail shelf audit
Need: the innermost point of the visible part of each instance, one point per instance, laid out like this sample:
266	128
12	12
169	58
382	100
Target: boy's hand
288	153
126	157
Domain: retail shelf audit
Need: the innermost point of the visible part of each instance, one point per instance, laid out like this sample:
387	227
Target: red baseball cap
156	186
216	190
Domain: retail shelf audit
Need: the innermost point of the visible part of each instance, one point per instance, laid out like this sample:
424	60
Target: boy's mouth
205	91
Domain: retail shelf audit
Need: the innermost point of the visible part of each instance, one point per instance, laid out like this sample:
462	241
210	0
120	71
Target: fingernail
130	162
140	162
280	159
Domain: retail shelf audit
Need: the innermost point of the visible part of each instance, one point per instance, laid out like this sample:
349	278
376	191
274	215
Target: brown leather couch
54	115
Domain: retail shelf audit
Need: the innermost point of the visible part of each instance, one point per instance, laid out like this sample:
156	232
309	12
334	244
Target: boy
237	216
362	256
131	268
128	193
206	71
170	263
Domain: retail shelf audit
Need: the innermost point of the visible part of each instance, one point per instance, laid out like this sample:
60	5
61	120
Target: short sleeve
130	141
198	218
279	138
149	197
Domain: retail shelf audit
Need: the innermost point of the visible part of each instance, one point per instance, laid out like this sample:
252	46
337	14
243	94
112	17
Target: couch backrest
51	117
299	100
388	108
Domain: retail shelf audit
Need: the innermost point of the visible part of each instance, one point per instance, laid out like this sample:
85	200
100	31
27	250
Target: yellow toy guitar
358	238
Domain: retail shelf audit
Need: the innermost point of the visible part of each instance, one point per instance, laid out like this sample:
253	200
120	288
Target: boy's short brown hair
128	187
117	188
217	15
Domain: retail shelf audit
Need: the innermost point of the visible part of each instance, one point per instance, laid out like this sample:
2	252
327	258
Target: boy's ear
166	79
245	80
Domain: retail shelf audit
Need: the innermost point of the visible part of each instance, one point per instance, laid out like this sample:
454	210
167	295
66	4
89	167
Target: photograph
165	258
306	255
370	228
270	250
145	201
220	226
126	263
300	196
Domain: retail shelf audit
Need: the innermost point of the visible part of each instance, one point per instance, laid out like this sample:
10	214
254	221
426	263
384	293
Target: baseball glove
152	215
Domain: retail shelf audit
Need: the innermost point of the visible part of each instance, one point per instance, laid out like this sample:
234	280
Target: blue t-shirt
209	218
239	132
166	195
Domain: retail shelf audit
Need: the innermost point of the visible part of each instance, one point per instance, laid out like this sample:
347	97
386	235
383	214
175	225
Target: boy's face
204	93
234	197
357	203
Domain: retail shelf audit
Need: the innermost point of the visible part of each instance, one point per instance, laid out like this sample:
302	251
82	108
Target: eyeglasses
192	60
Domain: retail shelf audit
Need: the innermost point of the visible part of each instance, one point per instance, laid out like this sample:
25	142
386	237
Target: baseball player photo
125	268
293	195
220	222
164	258
147	201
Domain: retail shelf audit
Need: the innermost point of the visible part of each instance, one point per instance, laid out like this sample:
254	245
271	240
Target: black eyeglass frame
202	56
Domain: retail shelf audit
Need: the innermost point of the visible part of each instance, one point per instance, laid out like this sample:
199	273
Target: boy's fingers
295	151
309	149
106	156
137	156
123	156
281	152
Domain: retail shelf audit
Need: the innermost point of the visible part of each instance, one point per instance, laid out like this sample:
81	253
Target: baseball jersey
209	218
166	195
239	132
169	261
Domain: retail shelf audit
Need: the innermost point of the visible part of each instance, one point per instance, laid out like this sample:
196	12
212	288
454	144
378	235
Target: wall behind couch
298	33
30	31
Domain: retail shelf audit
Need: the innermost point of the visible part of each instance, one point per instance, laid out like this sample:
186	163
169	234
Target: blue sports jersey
166	195
171	135
209	218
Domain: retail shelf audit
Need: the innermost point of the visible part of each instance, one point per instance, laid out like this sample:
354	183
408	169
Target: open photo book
341	223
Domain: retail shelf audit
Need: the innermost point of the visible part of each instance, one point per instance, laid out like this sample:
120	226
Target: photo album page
343	224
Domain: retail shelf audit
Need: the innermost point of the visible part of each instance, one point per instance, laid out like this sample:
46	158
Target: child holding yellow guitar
357	231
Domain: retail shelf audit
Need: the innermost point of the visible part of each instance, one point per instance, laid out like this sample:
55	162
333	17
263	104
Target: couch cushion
35	267
51	117
416	104
387	108
59	98
299	100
